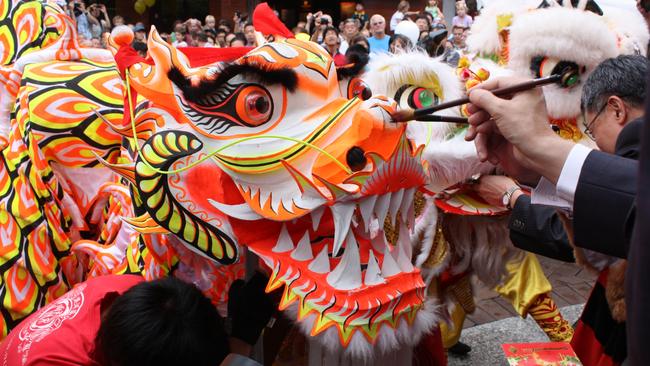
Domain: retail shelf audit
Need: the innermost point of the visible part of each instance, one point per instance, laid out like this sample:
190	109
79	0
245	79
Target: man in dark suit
599	187
613	104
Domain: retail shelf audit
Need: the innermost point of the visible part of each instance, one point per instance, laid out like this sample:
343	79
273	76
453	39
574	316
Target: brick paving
571	286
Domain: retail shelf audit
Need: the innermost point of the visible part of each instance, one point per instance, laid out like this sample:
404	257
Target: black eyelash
262	74
400	91
218	96
209	123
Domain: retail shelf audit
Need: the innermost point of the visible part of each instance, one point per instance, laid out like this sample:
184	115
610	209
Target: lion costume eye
416	97
546	66
233	106
254	105
358	88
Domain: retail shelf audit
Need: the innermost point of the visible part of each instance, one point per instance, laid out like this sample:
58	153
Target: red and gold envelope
546	354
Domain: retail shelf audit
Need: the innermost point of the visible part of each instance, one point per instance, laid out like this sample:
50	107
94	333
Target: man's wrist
547	155
506	198
514	197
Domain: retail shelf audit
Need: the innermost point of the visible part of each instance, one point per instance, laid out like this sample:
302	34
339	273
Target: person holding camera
78	12
321	22
100	21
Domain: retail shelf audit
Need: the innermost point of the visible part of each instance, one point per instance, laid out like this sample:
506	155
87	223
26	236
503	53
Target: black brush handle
438	118
419	113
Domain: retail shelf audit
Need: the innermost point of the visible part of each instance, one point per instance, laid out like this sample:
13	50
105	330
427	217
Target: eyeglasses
378	23
588	126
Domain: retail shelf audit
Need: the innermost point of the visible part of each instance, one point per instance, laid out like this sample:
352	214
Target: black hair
202	36
425	17
360	38
357	57
140	47
330	28
162	322
239	36
623	76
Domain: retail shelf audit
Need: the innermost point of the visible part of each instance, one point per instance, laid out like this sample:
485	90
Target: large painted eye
546	66
254	106
233	108
415	97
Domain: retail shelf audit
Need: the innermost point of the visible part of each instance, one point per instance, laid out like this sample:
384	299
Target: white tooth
366	207
405	240
395	202
404	250
373	273
407	203
316	215
276	200
389	267
379	242
381	208
347	275
284	243
342	213
264	196
242	211
411	218
322	262
303	249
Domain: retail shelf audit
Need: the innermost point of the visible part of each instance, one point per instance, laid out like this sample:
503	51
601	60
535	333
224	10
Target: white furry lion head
547	35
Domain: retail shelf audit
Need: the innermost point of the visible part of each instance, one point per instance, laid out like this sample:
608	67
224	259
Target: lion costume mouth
335	263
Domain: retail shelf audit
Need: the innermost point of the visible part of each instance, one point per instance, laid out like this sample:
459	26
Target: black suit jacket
603	201
604	212
538	229
637	280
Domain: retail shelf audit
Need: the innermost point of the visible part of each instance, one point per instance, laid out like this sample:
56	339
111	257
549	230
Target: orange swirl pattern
27	26
62	111
54	121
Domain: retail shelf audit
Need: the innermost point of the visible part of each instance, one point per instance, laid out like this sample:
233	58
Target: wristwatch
505	199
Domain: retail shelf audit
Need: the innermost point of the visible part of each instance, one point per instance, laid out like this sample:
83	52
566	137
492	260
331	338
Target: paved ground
571	286
495	322
486	339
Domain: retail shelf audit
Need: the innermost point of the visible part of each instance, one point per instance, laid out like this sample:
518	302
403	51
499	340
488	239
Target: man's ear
619	108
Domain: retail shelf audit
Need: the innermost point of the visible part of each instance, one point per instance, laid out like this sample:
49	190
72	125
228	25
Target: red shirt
339	59
63	332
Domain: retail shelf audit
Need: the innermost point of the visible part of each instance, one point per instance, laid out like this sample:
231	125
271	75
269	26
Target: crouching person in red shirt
121	320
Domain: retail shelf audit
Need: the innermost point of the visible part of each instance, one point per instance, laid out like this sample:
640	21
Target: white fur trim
564	34
484	35
388	340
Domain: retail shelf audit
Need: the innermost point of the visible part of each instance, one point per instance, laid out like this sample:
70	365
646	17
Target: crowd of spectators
426	29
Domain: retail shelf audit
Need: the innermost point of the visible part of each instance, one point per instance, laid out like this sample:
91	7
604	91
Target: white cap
408	29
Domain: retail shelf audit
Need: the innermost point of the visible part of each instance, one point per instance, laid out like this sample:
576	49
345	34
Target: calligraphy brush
418	114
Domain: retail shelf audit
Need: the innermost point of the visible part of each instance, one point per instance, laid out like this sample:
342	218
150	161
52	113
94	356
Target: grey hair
623	76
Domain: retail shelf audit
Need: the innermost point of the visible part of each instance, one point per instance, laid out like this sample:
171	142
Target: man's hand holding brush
515	132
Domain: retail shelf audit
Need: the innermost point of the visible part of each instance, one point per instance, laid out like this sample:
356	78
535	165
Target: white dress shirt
563	193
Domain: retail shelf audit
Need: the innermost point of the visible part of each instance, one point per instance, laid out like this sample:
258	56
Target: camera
324	21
